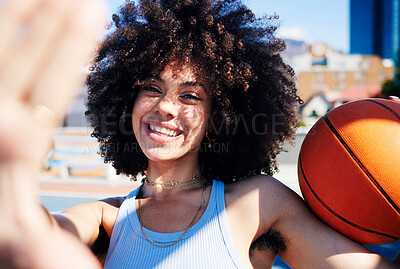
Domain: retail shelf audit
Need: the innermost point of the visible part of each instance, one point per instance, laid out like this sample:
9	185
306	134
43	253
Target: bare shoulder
256	203
285	223
110	208
266	198
269	193
85	220
264	183
98	208
113	201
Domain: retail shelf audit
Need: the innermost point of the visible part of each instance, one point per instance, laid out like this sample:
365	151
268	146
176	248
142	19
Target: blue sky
310	20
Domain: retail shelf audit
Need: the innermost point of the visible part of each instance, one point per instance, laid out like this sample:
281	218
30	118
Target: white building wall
342	62
336	61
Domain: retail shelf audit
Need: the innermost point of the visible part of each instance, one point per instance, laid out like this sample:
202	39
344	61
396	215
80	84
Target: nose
167	107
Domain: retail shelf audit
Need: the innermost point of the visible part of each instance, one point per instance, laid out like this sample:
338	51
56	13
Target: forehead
184	73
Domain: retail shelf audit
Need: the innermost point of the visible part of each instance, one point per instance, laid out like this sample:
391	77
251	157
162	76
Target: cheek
136	116
135	122
196	119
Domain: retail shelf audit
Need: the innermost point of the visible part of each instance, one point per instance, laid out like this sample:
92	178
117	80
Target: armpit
100	246
271	240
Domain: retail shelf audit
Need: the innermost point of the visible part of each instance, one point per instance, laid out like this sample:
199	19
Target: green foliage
392	87
301	124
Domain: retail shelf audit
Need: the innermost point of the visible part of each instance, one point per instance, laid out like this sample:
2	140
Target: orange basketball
349	170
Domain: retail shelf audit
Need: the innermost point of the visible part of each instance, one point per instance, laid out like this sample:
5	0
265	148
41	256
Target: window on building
366	64
385	76
340	85
340	75
318	75
360	75
361	84
314	114
318	86
381	75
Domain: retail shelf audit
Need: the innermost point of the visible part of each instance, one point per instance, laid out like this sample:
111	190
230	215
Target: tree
391	87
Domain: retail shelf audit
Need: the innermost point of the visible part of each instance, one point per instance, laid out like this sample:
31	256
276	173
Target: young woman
195	96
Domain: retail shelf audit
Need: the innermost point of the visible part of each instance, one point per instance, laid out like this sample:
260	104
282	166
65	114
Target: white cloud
293	32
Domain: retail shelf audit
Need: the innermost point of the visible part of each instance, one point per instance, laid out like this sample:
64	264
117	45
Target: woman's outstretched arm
43	46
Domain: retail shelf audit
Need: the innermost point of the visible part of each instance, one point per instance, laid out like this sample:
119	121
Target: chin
165	154
162	154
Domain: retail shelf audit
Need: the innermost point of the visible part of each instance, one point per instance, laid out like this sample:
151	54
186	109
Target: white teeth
163	131
171	133
155	128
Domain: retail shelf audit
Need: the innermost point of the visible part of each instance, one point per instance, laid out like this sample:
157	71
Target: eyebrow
187	83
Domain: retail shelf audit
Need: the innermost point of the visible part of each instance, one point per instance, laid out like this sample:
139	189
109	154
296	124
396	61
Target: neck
161	174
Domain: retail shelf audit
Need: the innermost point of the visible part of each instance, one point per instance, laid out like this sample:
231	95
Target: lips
163	131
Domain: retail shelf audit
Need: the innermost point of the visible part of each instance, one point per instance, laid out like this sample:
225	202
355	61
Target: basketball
349	170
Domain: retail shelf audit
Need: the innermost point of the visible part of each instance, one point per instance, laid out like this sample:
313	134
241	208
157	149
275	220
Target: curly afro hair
254	99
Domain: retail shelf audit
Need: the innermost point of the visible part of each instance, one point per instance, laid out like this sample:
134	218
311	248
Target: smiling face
170	115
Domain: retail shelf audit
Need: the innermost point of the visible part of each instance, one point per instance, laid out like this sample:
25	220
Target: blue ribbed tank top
207	244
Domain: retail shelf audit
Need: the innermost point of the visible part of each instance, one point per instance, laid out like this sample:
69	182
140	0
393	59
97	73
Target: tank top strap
224	225
122	214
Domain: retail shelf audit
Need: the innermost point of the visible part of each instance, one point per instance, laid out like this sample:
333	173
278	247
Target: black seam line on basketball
386	107
361	165
336	214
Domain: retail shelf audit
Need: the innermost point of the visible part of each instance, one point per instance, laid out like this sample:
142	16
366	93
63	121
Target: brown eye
151	89
189	96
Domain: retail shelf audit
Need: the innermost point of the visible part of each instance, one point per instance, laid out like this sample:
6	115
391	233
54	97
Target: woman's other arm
309	242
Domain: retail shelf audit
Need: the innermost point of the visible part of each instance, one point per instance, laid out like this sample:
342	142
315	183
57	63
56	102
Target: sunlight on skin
363	260
168	105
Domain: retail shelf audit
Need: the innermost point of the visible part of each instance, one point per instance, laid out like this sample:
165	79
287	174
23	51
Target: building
375	28
323	70
314	108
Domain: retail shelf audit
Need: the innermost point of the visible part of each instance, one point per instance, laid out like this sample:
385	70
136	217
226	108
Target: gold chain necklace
174	184
184	233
